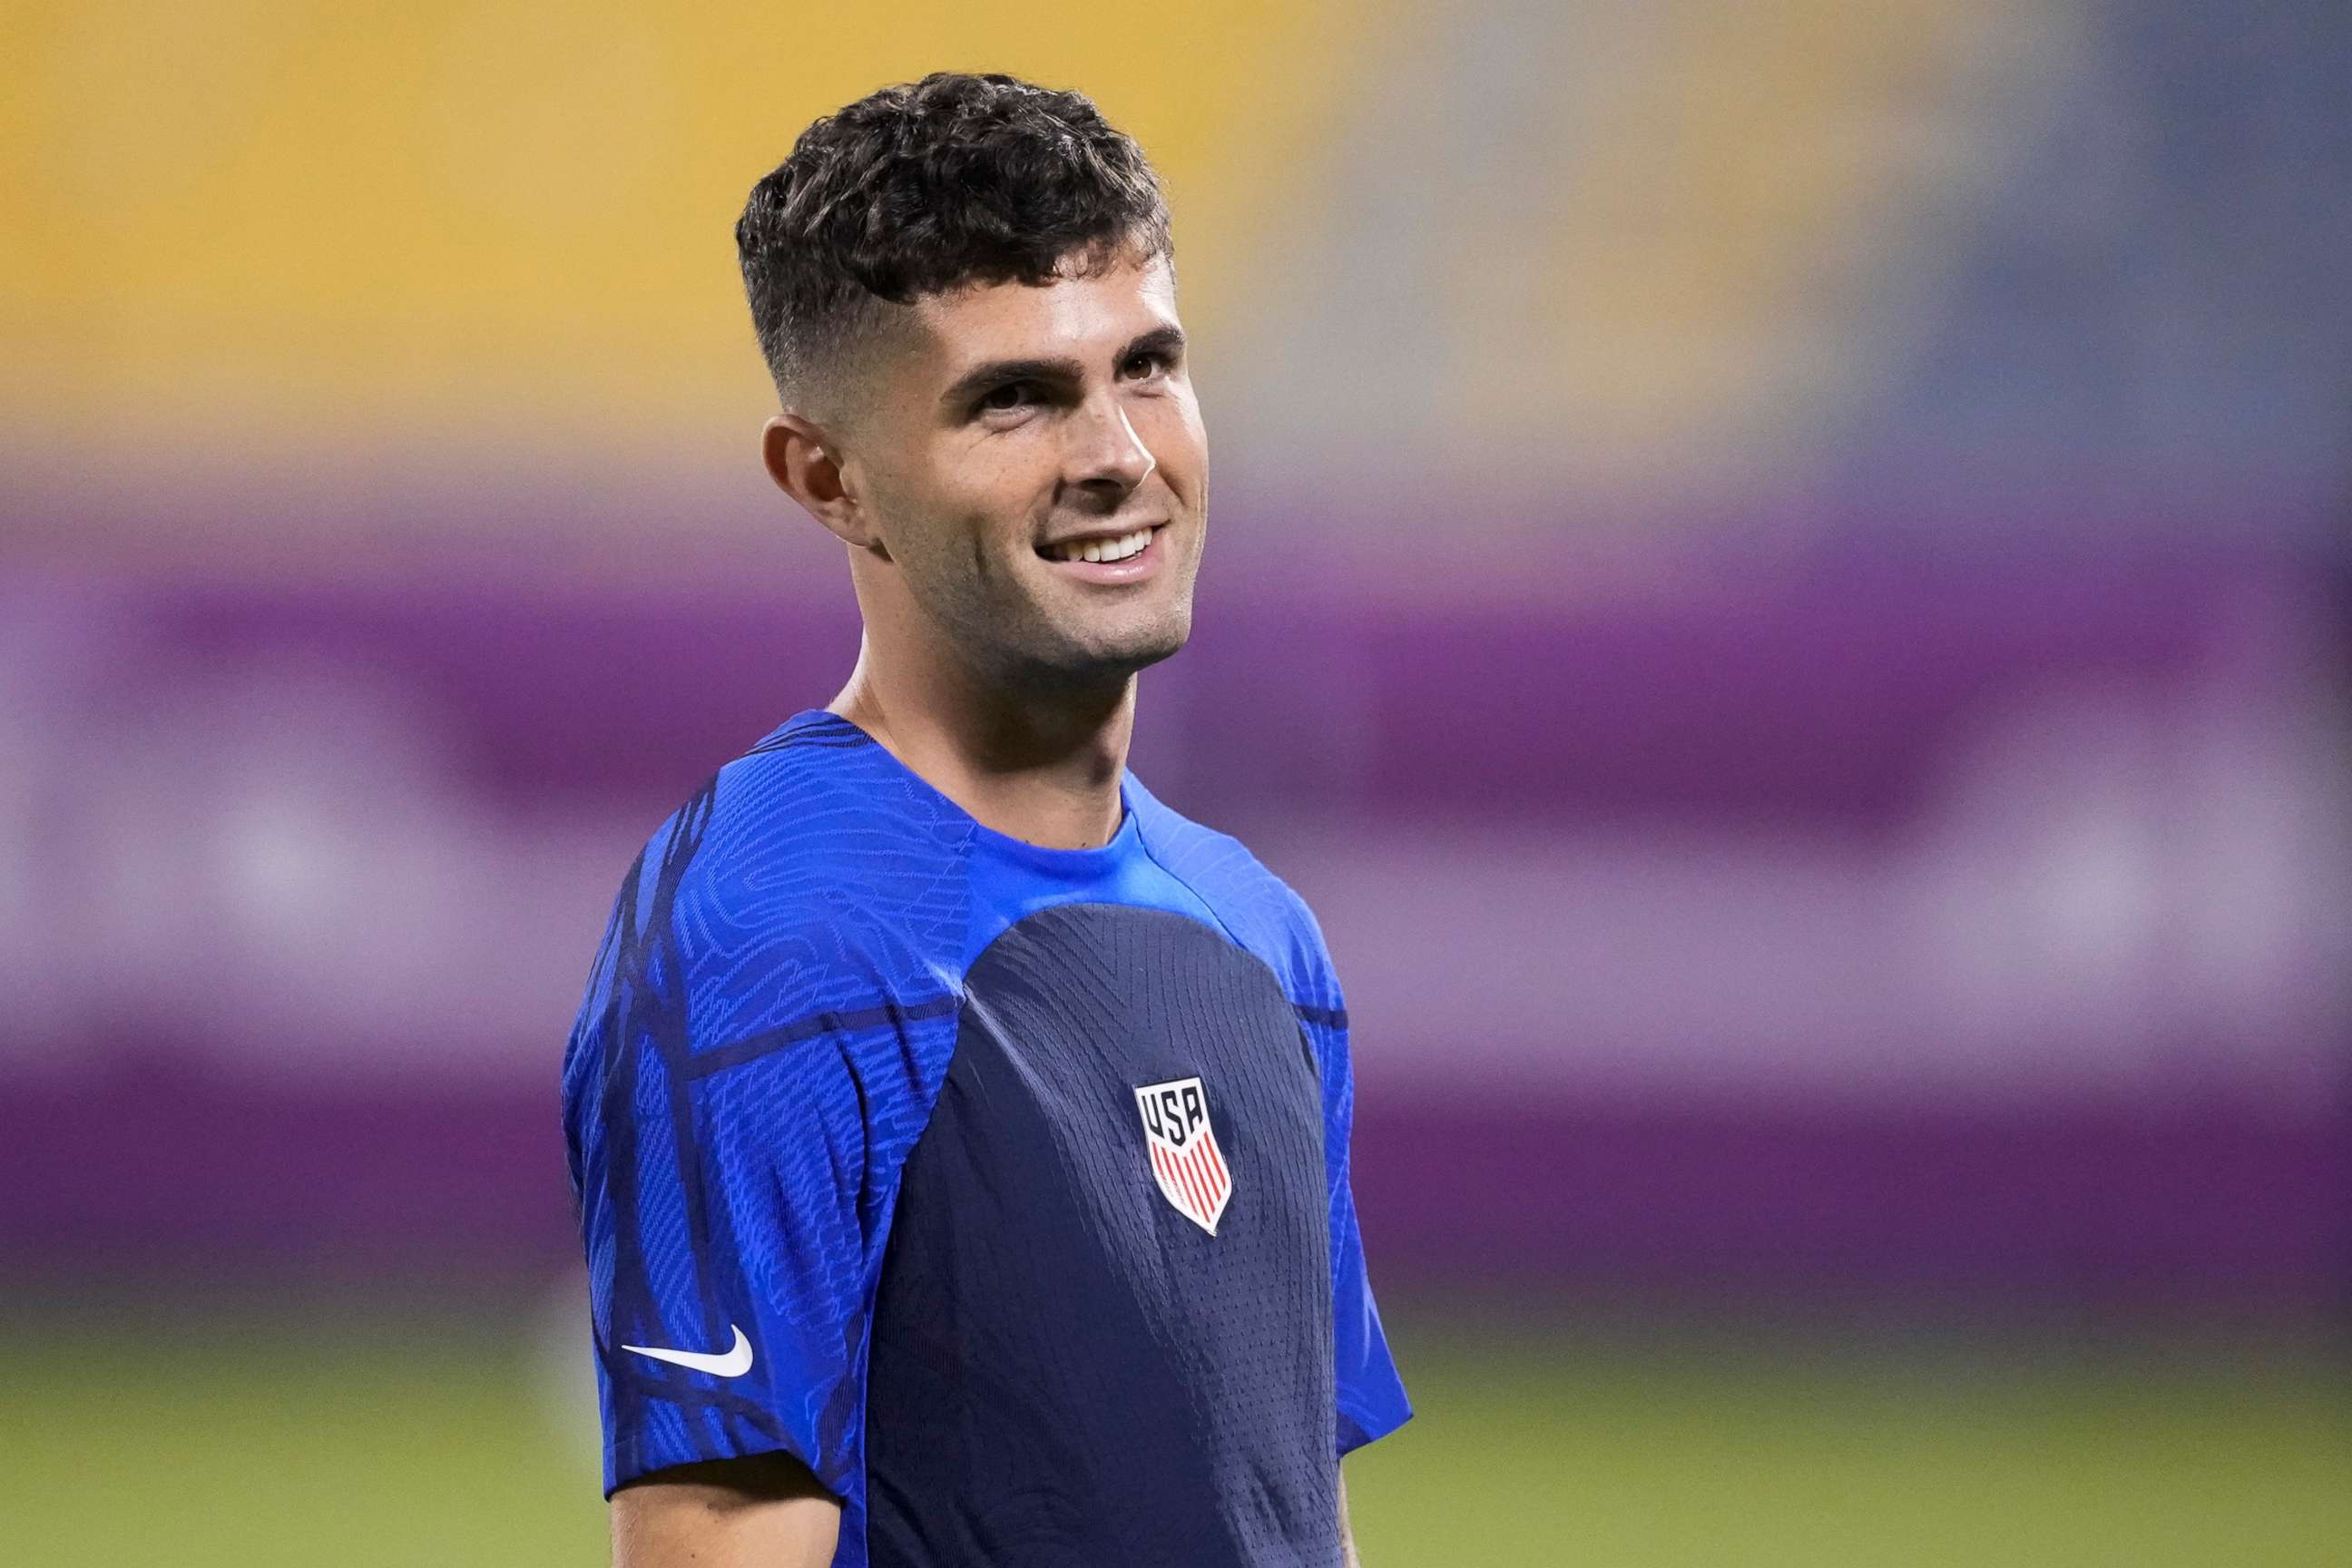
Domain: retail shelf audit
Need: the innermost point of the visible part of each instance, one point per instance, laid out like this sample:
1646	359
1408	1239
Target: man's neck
1044	769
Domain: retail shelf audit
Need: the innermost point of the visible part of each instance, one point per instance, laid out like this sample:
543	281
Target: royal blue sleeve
1372	1397
719	1187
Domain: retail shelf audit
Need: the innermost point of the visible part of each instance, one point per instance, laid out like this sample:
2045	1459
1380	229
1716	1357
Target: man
960	1134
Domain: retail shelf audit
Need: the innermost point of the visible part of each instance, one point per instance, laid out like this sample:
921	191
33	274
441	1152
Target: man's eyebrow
1002	372
980	378
1168	339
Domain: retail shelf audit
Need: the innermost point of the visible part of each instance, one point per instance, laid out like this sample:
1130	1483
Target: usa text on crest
1182	1147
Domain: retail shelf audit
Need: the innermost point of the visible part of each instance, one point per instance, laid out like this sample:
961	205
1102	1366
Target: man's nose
1108	459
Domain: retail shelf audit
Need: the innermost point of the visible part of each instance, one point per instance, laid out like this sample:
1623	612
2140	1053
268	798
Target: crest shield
1186	1163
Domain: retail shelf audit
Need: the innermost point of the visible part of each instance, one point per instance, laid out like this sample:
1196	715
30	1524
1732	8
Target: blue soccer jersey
1006	1187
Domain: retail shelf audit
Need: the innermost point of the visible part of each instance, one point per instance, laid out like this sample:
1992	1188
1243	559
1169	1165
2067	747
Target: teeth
1098	550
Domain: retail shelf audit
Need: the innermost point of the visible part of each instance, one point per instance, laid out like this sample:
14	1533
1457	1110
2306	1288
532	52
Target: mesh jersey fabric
800	962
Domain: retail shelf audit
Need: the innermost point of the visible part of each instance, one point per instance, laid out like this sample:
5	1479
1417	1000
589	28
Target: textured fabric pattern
768	1025
1066	1369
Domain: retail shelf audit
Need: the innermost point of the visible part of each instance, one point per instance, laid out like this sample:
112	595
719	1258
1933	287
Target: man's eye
1004	399
1145	364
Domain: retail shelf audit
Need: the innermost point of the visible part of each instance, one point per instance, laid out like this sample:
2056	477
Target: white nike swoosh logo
733	1363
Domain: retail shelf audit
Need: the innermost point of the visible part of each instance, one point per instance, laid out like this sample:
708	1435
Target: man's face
1021	429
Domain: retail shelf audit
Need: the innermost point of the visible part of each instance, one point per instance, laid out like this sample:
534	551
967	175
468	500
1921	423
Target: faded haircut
926	187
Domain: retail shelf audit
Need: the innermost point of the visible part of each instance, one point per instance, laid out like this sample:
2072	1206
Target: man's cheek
1176	442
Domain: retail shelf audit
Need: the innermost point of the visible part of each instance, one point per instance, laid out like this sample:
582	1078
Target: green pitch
446	1444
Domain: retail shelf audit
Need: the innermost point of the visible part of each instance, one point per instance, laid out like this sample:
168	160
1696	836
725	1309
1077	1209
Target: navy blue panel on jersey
1066	1365
1006	1187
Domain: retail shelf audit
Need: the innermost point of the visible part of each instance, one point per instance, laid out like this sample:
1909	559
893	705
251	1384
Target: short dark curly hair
929	186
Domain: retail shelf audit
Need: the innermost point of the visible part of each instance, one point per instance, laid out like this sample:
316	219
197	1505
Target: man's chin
1108	661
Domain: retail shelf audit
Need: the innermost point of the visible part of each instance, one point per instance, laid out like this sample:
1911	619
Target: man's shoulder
1264	913
808	816
802	874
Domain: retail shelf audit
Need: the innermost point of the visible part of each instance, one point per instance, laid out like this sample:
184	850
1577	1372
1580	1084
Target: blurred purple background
1962	930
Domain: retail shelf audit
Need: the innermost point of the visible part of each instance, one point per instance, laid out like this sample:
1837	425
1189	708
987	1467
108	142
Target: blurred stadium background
1782	581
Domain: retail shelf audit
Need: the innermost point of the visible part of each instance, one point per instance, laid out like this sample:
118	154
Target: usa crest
1185	1159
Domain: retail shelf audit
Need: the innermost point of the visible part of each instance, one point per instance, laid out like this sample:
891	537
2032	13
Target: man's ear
808	466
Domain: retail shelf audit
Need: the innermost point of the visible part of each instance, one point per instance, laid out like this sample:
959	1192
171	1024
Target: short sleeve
719	1205
1372	1397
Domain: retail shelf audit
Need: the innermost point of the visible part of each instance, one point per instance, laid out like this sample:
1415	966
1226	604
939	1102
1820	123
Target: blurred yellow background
286	223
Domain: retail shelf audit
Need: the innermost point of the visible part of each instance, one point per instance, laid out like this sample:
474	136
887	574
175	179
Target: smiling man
961	1134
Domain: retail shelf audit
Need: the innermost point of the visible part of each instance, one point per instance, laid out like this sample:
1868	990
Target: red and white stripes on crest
1199	1175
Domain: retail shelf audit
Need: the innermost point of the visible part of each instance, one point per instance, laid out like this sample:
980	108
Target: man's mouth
1103	549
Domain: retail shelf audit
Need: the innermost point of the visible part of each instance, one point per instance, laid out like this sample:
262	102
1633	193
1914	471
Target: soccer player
961	1134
